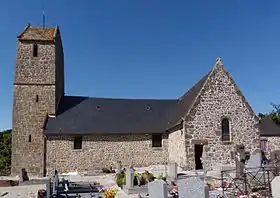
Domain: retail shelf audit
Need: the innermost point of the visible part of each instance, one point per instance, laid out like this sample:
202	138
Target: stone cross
158	189
219	61
172	170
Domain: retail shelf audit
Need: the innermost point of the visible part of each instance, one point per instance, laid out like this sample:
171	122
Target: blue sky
151	49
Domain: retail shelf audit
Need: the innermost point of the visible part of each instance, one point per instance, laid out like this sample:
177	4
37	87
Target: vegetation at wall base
5	152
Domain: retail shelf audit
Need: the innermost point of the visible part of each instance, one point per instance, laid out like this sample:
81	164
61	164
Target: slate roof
185	102
268	127
37	33
106	115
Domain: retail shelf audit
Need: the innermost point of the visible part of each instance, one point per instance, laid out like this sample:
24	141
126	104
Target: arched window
225	130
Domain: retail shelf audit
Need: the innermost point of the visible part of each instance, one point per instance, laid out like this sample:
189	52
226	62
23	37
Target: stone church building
52	130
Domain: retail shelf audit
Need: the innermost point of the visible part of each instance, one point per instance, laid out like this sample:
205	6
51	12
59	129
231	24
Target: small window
148	107
78	142
98	108
156	140
225	130
264	145
37	98
35	50
29	138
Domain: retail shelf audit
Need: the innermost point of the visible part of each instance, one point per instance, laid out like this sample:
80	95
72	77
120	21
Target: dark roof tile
268	127
107	115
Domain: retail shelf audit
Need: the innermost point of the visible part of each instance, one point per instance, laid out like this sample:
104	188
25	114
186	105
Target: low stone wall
100	151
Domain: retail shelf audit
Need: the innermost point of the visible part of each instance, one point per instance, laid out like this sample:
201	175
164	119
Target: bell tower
38	88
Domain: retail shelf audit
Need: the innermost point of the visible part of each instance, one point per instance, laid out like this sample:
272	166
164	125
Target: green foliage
274	114
5	149
121	179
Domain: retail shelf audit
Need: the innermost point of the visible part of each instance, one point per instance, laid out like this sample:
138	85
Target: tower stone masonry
38	87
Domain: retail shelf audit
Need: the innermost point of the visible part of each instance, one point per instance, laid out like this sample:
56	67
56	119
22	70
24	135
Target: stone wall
273	144
103	151
177	147
35	95
220	98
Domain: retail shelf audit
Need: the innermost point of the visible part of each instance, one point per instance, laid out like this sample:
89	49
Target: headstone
193	187
157	189
129	178
119	167
55	182
254	161
23	175
172	171
48	188
275	187
275	161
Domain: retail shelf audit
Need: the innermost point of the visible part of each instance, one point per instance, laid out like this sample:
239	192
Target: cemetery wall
220	98
273	144
177	147
99	151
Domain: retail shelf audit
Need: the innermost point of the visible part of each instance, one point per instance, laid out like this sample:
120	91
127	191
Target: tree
5	149
274	114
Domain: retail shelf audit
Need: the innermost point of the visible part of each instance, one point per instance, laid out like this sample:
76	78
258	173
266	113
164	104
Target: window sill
77	150
157	148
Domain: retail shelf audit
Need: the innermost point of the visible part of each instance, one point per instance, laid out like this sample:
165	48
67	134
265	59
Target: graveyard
248	178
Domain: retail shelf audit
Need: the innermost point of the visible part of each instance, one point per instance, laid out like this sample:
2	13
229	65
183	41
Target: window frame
266	145
157	140
35	50
78	143
225	130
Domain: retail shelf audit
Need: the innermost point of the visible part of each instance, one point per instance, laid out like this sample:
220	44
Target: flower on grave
254	195
110	193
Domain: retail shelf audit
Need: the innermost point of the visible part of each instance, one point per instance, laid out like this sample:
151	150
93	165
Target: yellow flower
110	193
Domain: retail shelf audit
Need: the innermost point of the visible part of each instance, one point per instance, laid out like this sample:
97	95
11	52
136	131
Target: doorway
198	149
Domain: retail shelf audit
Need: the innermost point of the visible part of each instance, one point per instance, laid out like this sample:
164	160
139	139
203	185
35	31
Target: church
53	130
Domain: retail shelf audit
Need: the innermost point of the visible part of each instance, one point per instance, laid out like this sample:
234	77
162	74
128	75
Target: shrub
120	179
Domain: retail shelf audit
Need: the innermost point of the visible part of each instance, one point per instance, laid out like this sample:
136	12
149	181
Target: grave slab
275	187
193	187
157	189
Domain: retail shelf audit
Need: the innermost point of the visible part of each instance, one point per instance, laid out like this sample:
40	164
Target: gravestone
275	187
172	171
157	189
119	167
240	161
193	187
23	175
129	178
275	161
254	161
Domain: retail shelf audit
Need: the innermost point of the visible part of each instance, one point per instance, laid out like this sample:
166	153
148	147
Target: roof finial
219	61
44	18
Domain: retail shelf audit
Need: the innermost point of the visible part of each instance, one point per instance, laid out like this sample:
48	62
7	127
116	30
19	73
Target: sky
150	49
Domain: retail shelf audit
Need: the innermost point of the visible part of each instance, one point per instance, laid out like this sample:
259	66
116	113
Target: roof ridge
25	28
116	98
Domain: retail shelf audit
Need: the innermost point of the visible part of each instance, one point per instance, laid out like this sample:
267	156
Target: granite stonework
38	87
177	147
104	151
220	98
273	144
